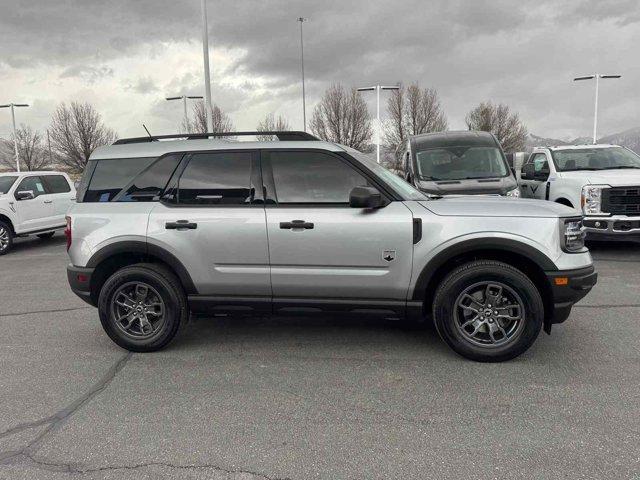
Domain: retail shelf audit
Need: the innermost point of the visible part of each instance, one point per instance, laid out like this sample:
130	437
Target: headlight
513	193
591	199
573	234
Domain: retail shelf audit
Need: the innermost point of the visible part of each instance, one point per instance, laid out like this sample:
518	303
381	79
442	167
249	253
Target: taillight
67	232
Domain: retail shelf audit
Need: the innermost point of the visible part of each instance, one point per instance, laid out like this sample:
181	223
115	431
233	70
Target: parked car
33	203
603	181
165	228
458	163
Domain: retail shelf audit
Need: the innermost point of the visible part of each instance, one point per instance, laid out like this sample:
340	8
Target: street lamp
15	135
304	101
597	76
184	105
207	74
377	89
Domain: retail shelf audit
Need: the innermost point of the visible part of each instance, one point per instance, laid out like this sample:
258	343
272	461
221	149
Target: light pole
377	89
597	76
15	135
207	74
304	100
184	105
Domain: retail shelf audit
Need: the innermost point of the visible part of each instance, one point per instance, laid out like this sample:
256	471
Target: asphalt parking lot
293	398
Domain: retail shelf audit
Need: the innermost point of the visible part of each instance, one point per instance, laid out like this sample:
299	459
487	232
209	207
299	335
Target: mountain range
629	138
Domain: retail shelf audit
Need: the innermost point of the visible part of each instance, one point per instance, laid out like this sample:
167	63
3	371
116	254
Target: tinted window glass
111	176
33	184
5	183
460	163
313	177
56	184
84	181
596	159
216	179
147	186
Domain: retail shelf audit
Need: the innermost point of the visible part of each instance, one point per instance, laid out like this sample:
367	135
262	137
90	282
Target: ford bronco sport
164	228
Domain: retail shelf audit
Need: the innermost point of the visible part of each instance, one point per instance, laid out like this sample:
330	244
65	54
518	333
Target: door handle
296	224
48	201
181	225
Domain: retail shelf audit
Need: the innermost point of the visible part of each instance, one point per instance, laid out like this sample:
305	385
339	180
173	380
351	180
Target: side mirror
365	197
25	195
528	171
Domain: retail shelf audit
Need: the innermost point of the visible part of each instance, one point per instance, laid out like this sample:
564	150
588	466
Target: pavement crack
54	310
55	420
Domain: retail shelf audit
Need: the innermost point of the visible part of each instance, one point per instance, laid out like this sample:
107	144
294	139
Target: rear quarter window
111	176
56	184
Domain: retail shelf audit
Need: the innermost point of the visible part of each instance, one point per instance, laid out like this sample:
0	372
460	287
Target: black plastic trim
417	230
581	281
469	246
144	248
81	289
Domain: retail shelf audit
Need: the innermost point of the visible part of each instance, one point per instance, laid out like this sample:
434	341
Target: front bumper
80	282
615	227
567	287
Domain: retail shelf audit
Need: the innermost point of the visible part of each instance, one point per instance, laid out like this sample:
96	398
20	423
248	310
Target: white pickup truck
33	203
603	181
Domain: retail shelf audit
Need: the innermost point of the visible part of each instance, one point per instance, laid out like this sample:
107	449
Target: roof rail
281	135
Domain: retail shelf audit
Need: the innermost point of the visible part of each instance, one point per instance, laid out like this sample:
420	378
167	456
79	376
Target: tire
45	236
148	332
462	300
6	238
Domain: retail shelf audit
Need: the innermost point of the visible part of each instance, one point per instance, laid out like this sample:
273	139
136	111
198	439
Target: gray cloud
87	73
522	53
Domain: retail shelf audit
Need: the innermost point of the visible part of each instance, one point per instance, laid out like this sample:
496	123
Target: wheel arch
8	221
115	256
564	201
529	260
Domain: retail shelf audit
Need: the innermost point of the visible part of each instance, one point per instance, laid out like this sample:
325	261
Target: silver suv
205	225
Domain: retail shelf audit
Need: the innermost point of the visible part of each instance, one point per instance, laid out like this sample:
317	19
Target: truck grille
621	200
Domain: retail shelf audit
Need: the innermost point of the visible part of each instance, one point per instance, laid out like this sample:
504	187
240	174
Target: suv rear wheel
488	311
6	238
142	306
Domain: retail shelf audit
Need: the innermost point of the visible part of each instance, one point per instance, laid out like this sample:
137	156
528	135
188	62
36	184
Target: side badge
389	255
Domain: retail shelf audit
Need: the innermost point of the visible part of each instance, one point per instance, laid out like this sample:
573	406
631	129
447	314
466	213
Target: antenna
148	133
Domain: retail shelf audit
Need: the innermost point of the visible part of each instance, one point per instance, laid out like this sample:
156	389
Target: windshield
407	191
460	163
609	158
5	184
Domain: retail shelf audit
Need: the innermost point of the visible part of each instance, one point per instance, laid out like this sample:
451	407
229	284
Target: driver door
536	187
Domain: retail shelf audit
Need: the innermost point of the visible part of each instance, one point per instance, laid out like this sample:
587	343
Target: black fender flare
478	244
145	249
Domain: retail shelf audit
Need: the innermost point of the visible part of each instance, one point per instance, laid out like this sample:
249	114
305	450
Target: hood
606	177
470	206
480	186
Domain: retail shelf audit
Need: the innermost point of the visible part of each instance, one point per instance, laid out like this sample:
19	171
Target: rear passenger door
212	219
62	196
342	254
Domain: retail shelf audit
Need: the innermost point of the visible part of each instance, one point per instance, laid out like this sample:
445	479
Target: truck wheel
45	236
6	238
142	306
488	311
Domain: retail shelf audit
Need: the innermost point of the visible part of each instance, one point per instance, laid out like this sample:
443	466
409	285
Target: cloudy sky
125	56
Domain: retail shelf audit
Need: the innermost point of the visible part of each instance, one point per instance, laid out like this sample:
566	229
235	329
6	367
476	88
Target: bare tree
31	150
342	117
499	120
76	131
271	123
221	121
412	110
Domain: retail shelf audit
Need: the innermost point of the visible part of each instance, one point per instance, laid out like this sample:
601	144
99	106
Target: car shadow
32	243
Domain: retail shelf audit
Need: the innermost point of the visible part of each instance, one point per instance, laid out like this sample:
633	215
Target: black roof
461	138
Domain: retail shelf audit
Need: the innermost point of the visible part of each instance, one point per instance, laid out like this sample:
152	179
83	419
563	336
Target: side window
56	184
33	184
111	176
220	178
148	186
540	163
313	177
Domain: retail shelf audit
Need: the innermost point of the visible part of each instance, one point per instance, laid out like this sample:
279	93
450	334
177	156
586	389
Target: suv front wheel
488	311
142	306
6	238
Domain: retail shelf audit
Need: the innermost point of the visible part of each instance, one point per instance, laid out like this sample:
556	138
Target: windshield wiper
434	179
